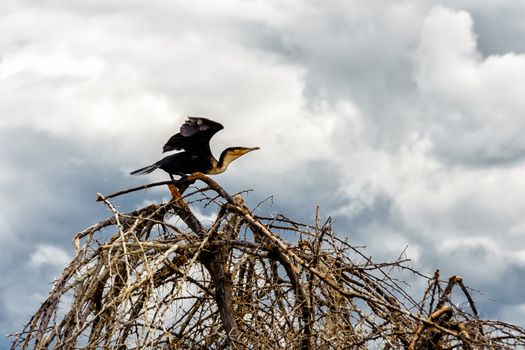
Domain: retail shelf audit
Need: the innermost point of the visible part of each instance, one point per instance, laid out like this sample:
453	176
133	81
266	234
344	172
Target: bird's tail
146	170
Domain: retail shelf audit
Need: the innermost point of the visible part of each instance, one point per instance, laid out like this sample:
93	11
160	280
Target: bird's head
230	154
236	152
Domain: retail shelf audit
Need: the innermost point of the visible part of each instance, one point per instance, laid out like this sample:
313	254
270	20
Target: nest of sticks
160	278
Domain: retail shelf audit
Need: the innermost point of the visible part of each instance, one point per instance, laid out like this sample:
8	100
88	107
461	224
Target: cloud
473	103
350	52
430	149
49	255
104	72
513	313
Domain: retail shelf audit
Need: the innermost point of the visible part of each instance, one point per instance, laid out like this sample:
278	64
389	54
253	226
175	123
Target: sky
403	120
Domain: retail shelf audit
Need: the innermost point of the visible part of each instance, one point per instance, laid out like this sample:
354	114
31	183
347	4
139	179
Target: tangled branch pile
162	279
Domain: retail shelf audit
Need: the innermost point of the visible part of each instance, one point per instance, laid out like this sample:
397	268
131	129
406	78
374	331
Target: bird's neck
224	160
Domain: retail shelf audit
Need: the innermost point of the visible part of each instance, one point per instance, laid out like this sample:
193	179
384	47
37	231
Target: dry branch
166	280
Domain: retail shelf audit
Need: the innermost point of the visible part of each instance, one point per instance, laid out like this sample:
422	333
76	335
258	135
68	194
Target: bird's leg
182	175
184	184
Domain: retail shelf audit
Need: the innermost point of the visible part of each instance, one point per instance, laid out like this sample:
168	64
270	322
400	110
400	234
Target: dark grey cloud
48	194
494	35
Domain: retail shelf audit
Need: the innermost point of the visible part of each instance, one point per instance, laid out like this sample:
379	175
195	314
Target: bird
196	156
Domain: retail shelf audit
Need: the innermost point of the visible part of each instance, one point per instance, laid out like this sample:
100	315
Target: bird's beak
245	150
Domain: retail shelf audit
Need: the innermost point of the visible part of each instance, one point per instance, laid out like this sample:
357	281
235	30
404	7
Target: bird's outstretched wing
194	136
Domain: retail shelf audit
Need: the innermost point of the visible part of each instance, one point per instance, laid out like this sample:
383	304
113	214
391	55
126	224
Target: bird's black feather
194	136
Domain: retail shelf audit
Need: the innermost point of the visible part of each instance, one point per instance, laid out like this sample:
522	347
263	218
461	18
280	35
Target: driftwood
159	278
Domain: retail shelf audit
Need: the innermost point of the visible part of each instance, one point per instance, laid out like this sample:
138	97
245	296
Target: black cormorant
193	138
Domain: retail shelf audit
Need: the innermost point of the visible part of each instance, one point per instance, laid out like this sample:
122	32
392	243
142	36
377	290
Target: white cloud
473	104
112	76
45	254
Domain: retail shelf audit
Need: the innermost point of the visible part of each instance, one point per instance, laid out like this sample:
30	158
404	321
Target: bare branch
161	278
